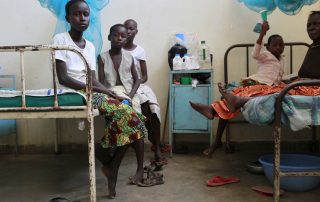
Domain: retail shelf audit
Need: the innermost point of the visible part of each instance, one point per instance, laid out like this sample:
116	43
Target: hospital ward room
160	101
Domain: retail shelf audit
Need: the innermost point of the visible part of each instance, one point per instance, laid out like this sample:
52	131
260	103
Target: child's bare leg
217	142
107	170
153	125
233	102
205	110
139	150
111	170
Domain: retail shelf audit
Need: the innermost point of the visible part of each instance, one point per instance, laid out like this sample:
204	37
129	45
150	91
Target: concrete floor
37	178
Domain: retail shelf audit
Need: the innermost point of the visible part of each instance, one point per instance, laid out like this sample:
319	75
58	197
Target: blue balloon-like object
93	33
289	7
260	5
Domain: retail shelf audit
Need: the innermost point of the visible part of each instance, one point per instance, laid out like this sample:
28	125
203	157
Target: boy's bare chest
116	60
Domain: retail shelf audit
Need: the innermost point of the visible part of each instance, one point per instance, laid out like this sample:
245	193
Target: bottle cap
186	54
203	42
177	54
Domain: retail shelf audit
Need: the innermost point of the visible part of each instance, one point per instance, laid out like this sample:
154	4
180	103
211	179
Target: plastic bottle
177	62
187	61
126	102
204	56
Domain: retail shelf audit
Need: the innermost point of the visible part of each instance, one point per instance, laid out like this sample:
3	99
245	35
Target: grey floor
37	178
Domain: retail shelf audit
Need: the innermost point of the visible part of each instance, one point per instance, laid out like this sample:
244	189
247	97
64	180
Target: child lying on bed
126	125
269	73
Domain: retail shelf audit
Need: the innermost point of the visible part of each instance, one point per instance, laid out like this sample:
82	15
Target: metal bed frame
56	111
277	122
229	146
277	139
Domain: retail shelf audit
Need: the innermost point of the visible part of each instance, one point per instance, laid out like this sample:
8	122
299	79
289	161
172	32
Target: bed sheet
298	111
41	98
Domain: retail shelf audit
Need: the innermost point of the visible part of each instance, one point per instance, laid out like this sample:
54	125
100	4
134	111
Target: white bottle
177	62
187	61
204	56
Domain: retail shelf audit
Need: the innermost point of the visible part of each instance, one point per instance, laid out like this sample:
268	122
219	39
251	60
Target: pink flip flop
266	190
218	181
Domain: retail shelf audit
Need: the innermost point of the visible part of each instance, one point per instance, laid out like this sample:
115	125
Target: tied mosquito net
93	33
289	7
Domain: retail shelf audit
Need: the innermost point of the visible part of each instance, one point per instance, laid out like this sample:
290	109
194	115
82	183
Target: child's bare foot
111	181
233	102
205	110
209	151
136	178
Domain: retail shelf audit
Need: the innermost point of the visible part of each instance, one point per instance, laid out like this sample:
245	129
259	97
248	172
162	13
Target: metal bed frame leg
92	167
276	182
277	138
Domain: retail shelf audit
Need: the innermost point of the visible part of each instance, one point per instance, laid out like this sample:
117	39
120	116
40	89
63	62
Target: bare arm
136	80
66	80
144	72
101	75
257	48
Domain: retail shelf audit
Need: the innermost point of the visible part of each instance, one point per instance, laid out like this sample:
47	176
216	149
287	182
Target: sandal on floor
266	190
151	180
152	167
218	181
131	181
148	168
160	162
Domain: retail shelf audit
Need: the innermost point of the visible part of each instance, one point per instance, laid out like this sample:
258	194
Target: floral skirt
123	124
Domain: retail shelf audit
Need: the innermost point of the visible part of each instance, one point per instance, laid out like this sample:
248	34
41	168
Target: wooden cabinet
182	118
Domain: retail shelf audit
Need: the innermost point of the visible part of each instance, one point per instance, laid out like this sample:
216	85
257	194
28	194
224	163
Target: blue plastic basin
296	163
